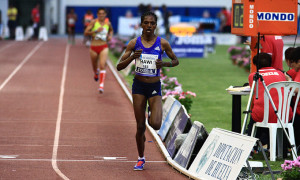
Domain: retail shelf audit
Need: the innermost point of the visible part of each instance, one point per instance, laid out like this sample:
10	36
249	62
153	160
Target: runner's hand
108	38
137	53
100	29
159	63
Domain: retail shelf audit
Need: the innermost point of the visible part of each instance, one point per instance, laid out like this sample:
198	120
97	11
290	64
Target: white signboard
167	106
129	26
222	156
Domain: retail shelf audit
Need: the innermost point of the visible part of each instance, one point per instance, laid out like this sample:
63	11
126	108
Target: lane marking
59	115
6	145
61	145
8	156
31	145
115	158
109	158
7	46
112	68
20	65
78	160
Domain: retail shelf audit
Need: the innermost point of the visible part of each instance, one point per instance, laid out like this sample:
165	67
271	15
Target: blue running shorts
146	89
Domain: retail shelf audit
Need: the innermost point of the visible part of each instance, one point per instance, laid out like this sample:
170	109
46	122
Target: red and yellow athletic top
88	18
102	34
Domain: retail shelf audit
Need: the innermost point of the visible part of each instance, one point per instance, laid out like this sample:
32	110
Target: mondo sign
269	17
272	16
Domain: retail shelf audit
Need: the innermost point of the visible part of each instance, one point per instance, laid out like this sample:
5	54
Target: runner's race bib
145	65
101	35
71	21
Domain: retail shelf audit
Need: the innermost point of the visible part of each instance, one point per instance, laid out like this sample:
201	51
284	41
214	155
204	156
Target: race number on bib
146	64
101	35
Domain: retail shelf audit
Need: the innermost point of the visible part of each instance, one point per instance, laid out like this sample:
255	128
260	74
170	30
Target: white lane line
20	65
31	145
8	156
78	160
112	68
59	115
62	145
6	145
115	158
7	46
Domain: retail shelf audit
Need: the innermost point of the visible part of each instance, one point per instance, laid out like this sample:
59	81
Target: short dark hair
148	13
288	53
262	60
295	56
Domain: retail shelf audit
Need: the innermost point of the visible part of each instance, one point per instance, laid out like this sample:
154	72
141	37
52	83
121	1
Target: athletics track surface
55	125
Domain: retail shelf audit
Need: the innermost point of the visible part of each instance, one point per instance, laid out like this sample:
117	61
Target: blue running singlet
145	65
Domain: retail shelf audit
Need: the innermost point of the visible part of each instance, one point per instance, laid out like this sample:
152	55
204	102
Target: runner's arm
167	48
110	32
87	31
127	58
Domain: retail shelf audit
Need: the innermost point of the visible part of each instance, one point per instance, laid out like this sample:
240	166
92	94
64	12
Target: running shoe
96	76
139	166
101	90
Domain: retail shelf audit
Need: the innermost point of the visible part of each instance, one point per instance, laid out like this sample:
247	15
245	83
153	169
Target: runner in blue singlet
147	50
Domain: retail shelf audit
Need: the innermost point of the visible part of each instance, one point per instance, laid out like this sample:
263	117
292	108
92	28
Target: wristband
170	64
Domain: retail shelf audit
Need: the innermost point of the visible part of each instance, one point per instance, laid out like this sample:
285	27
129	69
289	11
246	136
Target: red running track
55	125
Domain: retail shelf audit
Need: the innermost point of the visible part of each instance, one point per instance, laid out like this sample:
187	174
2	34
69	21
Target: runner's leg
139	106
94	59
155	104
103	59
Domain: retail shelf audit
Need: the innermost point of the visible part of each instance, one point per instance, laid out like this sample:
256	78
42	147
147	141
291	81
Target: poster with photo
165	127
223	155
167	106
177	128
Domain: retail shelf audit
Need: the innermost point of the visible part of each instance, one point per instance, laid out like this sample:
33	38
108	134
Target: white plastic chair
286	91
